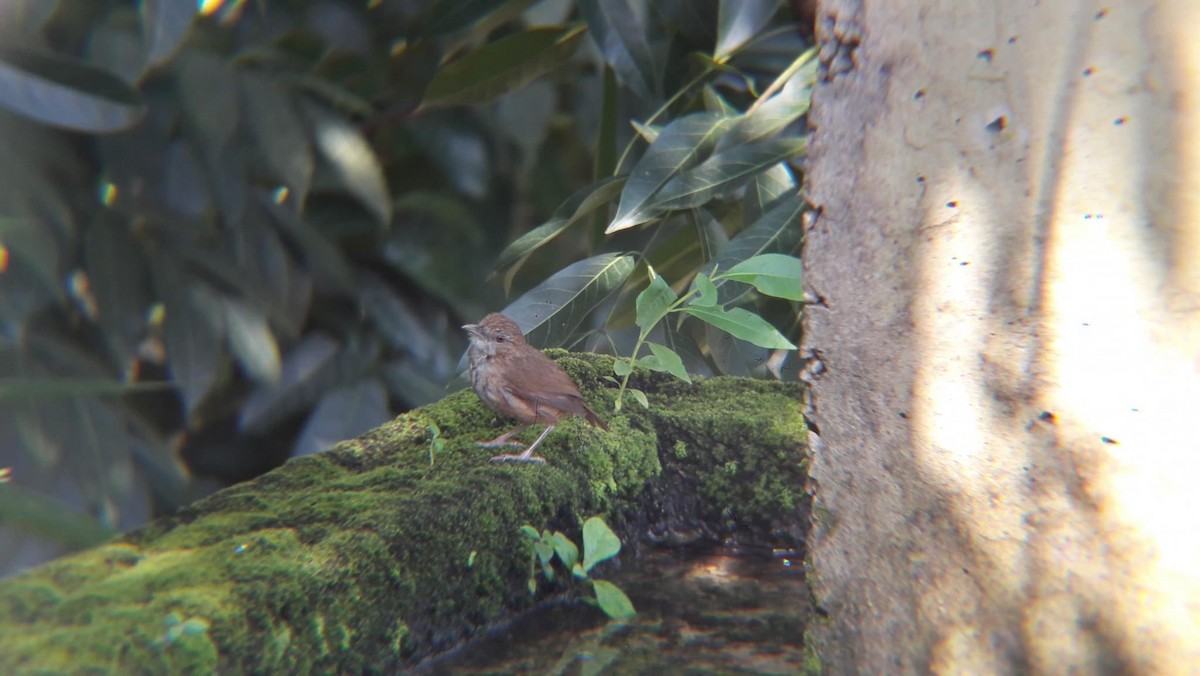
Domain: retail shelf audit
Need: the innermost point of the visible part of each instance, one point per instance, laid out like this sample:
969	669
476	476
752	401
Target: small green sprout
599	544
436	442
177	628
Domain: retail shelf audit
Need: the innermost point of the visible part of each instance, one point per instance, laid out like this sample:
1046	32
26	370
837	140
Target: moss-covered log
373	556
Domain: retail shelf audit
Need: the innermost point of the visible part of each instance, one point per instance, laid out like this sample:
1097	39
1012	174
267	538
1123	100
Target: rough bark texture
1005	427
356	560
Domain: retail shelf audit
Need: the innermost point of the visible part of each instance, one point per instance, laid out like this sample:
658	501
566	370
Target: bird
516	380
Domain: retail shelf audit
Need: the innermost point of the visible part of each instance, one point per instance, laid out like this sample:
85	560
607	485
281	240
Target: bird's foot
496	443
519	458
503	439
527	454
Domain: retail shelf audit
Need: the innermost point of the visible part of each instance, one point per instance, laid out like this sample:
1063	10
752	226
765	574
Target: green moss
812	659
742	440
355	559
399	638
680	450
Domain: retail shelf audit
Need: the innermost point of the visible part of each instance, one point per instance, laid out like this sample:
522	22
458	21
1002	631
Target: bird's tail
594	419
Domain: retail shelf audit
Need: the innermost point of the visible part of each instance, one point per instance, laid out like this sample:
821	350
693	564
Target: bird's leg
503	439
526	455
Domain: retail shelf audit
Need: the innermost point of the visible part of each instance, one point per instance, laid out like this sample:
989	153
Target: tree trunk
1006	428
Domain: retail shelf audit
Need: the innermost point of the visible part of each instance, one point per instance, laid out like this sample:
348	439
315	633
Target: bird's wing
556	396
553	385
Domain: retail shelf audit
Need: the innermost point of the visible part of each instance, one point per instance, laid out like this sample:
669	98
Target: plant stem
642	335
662	109
786	75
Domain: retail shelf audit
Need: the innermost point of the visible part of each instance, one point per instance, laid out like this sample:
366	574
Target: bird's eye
499	339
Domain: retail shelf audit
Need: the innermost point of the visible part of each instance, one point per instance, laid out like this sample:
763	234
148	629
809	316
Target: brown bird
515	379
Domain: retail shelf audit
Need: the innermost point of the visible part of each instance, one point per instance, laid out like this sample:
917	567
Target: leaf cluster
234	231
221	243
600	543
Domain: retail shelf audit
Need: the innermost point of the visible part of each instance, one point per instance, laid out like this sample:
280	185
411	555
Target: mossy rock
357	559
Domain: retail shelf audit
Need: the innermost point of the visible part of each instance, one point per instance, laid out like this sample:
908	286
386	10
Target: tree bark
375	555
1005	427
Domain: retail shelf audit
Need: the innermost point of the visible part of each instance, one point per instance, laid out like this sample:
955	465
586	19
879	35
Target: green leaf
320	255
621	35
413	381
682	337
742	324
251	340
66	93
282	287
208	95
165	23
765	190
578	571
653	302
98	441
649	132
740	20
599	542
30	242
710	236
622	367
524	119
769	117
502	66
777	231
568	553
550	312
333	94
545	555
665	360
715	102
773	274
606	135
724	172
117	275
185	186
708	291
343	413
352	159
36	513
193	330
640	396
398	321
280	132
544	550
583	202
677	147
530	532
24	389
731	356
230	179
194	626
452	15
613	601
312	368
695	21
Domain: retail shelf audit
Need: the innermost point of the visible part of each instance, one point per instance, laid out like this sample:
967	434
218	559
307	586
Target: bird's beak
472	329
